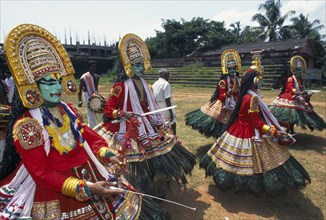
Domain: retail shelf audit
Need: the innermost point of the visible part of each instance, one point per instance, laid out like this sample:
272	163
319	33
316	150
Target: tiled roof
291	44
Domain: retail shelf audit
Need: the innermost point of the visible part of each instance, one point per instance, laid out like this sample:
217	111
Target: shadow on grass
290	205
188	197
307	141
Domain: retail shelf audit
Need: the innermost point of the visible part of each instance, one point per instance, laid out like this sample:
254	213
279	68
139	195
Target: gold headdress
230	58
32	53
256	62
298	61
134	50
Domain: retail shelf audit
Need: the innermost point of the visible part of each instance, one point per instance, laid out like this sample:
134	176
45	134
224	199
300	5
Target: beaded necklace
60	124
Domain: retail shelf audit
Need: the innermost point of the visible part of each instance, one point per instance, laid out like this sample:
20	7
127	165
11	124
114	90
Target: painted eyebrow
51	80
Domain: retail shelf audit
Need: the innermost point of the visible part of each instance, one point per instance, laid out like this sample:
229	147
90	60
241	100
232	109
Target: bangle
115	113
69	187
83	192
269	129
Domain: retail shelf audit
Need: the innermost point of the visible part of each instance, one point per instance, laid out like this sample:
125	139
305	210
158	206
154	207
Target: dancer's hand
101	188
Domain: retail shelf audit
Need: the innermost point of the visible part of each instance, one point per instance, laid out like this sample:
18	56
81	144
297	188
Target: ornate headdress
230	58
256	62
296	62
32	53
134	50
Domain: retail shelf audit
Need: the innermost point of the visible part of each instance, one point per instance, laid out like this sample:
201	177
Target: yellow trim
69	187
226	55
254	105
123	45
115	113
23	77
292	62
266	129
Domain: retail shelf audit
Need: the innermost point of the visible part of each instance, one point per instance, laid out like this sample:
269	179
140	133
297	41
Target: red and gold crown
298	62
32	53
134	50
230	58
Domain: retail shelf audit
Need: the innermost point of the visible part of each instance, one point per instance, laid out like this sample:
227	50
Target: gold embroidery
28	132
254	105
116	91
222	84
46	210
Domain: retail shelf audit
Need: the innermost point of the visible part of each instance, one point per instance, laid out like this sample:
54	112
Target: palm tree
236	31
303	28
272	21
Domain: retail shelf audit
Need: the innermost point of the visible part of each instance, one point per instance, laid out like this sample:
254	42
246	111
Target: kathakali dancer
154	154
293	105
60	168
211	118
251	154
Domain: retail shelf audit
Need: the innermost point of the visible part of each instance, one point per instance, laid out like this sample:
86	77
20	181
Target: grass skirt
151	210
155	175
205	124
288	175
298	117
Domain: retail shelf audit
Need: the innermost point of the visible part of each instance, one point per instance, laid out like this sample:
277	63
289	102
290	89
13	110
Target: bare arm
168	104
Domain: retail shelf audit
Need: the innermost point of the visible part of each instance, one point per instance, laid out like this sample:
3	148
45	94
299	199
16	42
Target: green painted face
51	88
138	69
232	71
298	71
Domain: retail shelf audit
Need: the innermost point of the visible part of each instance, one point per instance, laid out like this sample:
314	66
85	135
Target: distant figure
163	96
10	85
89	84
292	106
211	117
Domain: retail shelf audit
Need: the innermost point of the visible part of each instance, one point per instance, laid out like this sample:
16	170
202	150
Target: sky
109	20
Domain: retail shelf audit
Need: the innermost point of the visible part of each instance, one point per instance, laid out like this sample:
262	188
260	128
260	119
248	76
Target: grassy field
211	203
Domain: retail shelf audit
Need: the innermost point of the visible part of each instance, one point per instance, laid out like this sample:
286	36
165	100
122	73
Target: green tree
180	38
272	22
302	27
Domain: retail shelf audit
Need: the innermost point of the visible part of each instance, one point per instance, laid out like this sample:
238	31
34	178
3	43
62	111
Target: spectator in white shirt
163	96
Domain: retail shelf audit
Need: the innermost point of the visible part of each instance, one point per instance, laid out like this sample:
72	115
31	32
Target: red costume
50	169
211	118
247	156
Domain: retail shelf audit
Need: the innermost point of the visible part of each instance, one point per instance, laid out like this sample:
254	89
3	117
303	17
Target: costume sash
230	101
267	115
23	183
145	130
89	81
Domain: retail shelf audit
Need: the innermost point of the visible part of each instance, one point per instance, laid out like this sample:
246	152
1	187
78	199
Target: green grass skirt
203	123
288	175
299	117
155	175
151	210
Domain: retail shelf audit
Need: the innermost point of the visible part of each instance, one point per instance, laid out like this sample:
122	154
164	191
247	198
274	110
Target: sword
144	114
158	110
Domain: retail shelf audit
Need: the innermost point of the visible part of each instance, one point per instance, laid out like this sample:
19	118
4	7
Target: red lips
55	94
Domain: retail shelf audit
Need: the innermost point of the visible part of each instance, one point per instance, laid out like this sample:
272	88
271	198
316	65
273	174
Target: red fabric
222	95
287	94
116	103
50	171
244	125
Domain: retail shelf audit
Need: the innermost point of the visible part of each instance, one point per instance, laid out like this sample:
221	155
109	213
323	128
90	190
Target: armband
271	130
